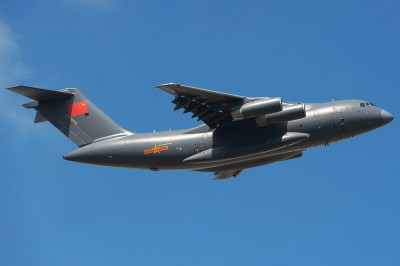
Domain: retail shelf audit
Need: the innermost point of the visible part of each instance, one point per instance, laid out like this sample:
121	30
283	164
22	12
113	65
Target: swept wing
213	108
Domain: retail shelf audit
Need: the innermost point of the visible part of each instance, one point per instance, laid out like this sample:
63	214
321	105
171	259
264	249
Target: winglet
41	95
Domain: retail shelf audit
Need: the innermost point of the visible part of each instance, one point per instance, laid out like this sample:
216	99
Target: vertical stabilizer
71	113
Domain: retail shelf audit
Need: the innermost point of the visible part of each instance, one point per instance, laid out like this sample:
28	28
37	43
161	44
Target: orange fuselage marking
156	149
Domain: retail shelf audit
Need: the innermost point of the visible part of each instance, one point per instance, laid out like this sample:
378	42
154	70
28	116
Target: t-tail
71	113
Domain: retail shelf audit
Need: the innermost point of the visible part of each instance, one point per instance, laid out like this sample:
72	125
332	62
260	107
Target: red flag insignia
79	108
156	149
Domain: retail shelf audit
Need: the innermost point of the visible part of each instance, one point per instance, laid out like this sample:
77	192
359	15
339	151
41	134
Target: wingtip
14	87
168	85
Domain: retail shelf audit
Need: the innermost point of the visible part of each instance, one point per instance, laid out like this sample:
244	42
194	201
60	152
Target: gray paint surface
224	145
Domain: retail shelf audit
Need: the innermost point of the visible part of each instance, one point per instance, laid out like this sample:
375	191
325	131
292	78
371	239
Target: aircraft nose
386	117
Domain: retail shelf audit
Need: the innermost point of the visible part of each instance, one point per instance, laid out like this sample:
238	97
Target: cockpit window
362	104
372	104
367	103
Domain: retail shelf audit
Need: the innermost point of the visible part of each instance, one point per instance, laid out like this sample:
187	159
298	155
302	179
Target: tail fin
71	113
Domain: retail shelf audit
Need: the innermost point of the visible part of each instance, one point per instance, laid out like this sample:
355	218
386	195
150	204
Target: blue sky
338	205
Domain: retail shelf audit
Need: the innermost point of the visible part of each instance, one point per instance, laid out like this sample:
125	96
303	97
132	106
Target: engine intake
257	108
287	114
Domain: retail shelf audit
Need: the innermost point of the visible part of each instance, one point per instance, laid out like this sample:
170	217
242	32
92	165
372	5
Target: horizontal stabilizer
41	95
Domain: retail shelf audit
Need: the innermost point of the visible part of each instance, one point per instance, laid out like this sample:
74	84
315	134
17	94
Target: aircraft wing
213	108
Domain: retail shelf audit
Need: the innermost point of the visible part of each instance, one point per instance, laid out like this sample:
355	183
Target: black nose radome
386	117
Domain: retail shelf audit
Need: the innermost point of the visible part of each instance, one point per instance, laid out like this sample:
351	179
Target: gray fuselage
238	146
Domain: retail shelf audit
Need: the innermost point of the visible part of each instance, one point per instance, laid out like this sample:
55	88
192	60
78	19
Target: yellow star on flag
156	149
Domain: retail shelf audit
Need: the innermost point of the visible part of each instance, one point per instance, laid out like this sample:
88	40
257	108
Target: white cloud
12	71
12	68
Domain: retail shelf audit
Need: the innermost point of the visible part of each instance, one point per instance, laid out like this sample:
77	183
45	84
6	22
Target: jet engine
257	108
287	114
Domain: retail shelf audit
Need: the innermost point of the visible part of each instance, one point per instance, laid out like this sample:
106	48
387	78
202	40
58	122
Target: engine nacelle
287	114
257	108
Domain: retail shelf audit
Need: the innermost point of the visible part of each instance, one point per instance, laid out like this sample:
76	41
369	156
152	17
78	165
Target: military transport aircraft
238	132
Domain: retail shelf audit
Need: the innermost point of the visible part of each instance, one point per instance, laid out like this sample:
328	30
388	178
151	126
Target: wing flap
212	107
